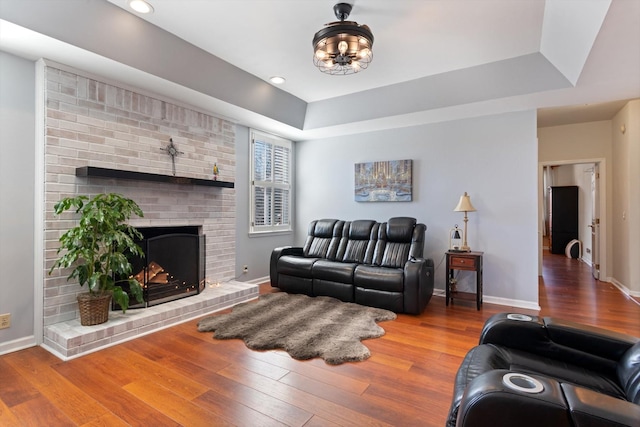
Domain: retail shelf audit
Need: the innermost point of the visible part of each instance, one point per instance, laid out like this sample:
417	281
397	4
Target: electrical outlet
5	320
245	269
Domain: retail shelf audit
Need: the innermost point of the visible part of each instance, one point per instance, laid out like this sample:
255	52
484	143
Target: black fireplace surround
173	266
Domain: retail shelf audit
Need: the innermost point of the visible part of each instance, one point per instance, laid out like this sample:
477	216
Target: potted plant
97	248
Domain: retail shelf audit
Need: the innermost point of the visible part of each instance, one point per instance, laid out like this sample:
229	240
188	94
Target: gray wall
493	158
17	154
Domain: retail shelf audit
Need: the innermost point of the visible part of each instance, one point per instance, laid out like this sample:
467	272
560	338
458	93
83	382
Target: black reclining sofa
531	371
361	261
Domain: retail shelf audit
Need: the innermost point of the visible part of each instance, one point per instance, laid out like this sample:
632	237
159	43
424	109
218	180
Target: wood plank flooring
180	377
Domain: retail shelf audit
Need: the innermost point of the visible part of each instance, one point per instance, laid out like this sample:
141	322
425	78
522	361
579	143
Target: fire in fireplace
173	266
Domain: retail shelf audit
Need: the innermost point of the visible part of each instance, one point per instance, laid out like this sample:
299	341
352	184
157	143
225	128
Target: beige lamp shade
464	205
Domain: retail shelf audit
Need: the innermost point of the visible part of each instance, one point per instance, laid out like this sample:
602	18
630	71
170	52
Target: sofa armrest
275	256
589	408
522	332
418	284
489	400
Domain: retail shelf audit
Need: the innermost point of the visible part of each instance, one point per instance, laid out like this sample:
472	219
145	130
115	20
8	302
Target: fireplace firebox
173	266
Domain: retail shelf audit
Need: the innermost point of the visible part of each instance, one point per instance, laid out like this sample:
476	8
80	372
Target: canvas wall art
388	181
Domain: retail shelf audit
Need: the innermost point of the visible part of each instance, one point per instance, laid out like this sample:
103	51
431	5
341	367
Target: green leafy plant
97	247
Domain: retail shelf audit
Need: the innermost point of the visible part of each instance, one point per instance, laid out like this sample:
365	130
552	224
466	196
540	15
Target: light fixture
277	80
141	6
342	47
464	205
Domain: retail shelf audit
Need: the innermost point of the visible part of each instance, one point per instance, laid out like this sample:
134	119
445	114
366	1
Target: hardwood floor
179	376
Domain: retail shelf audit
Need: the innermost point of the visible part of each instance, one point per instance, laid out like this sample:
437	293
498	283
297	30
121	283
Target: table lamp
464	205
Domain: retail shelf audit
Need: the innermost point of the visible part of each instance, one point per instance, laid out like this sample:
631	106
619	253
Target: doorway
589	175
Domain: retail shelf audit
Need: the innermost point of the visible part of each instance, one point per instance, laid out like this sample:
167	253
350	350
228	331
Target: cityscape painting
388	181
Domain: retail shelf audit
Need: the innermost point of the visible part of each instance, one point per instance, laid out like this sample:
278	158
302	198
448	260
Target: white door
595	222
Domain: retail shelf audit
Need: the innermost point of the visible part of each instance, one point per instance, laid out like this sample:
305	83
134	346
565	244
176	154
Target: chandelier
342	47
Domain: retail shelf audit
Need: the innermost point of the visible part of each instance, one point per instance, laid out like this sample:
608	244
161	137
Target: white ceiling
571	60
413	38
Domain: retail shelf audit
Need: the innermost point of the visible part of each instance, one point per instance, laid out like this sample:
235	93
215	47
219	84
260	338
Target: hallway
567	286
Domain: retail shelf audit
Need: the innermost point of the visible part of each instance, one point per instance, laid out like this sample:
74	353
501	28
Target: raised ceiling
413	39
433	60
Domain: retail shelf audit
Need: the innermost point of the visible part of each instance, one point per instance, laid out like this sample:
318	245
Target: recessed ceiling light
277	80
140	6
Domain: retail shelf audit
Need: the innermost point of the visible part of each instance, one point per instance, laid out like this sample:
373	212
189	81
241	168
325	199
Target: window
271	159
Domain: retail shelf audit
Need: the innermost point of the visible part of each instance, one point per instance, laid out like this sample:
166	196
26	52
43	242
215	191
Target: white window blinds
270	179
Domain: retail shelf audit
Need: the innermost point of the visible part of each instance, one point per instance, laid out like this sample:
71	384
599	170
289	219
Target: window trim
273	140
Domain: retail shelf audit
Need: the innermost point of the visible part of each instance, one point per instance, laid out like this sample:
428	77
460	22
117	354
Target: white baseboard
587	261
624	289
17	344
256	281
528	305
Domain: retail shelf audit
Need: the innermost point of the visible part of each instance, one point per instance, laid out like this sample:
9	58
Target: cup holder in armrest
520	317
522	382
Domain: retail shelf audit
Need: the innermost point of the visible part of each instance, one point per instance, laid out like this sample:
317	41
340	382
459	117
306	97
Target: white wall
493	158
578	143
621	153
17	147
626	198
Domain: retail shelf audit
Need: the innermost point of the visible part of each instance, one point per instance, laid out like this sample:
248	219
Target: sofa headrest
322	227
400	229
361	229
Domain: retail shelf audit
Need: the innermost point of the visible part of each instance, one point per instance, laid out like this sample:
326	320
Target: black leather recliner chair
532	371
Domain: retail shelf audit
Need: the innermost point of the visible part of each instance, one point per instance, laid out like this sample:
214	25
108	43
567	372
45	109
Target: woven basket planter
94	309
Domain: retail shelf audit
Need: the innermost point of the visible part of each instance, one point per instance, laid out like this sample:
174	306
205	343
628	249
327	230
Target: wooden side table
468	261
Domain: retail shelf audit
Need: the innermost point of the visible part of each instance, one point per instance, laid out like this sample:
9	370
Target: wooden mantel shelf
92	171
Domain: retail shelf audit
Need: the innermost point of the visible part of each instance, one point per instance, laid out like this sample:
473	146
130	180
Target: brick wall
90	122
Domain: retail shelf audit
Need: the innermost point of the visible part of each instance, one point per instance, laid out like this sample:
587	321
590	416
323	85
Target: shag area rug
303	326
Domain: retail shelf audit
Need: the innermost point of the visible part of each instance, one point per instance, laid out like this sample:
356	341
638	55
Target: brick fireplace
93	122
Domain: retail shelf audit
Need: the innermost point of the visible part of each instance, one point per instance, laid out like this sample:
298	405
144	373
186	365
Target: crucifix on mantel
173	152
